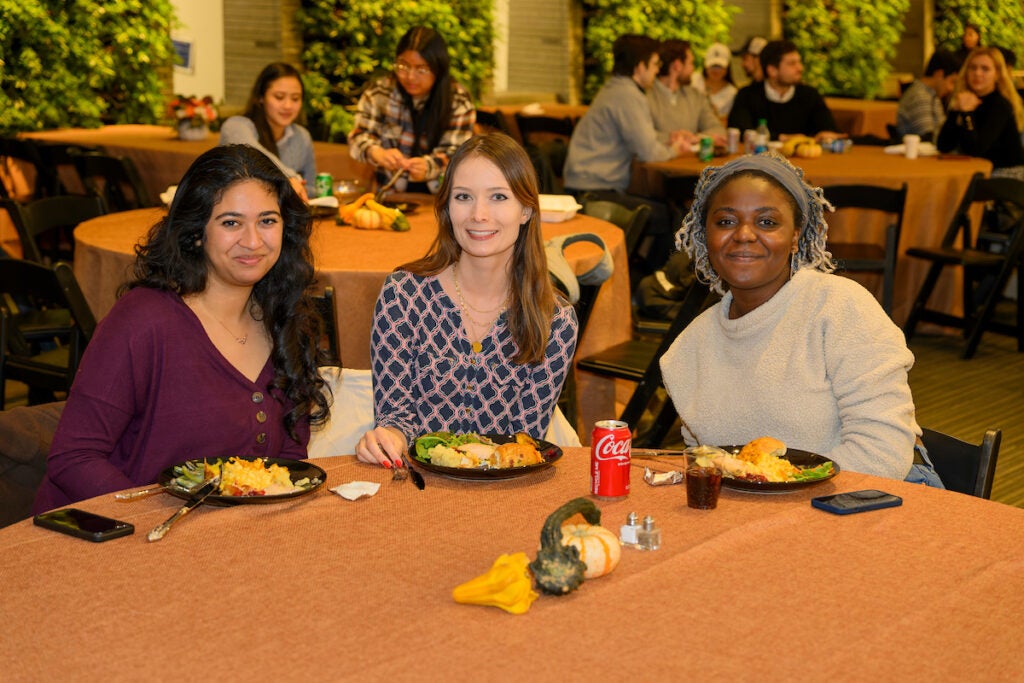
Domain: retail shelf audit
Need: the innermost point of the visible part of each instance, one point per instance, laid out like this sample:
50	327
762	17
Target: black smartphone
856	501
91	527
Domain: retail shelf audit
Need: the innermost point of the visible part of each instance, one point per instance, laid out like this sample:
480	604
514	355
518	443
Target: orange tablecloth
863	117
764	587
356	262
934	189
162	158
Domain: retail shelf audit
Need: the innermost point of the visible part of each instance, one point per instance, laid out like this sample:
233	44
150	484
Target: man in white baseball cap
750	53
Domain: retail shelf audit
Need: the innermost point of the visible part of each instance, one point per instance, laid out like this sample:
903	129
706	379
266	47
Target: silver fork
398	473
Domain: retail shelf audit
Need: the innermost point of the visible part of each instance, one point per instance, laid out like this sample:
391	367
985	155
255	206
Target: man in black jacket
782	100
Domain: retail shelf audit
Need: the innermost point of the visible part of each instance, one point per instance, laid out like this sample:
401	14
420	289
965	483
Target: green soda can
707	149
324	185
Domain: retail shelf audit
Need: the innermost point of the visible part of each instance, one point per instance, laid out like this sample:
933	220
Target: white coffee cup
911	146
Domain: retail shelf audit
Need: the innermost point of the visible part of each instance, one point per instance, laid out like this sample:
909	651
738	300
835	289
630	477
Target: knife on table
416	477
201	494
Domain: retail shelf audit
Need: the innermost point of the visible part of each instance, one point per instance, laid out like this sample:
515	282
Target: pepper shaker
649	536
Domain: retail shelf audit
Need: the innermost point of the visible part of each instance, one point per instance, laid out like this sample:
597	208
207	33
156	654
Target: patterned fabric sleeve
427	377
370	119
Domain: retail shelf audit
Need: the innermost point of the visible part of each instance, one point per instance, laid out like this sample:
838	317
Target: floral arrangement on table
193	116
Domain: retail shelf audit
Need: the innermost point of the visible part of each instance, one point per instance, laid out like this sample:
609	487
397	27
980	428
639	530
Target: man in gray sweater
617	129
677	107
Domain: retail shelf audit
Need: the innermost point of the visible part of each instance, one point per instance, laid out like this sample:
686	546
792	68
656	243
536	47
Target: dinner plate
297	469
795	456
323	211
405	207
549	451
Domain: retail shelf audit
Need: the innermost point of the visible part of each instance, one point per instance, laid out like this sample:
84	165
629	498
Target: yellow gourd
507	584
598	547
808	150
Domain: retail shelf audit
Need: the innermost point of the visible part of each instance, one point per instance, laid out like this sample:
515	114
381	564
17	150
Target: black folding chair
45	226
872	257
987	261
965	467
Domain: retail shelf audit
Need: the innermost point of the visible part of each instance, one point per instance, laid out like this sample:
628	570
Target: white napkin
167	196
330	201
532	109
355	490
926	149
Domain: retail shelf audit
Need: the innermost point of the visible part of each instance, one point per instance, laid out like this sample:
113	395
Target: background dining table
764	587
859	117
356	262
162	158
935	187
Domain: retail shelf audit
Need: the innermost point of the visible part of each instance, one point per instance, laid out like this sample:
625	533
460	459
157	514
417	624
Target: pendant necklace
238	340
477	345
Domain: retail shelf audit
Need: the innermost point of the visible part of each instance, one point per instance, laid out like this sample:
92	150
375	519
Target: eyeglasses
404	69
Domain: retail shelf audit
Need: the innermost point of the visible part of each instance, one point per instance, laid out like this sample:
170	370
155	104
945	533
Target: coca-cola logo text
609	448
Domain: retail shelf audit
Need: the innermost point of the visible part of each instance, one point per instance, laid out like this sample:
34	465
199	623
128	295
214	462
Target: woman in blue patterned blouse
471	337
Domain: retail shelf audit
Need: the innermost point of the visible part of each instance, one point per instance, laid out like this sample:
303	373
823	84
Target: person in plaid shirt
415	118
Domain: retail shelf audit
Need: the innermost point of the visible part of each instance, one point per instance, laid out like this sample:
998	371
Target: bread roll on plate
760	447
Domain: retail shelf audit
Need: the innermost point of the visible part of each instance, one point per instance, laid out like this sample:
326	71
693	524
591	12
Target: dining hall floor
959	397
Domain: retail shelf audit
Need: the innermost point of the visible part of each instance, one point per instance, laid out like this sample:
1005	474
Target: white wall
202	23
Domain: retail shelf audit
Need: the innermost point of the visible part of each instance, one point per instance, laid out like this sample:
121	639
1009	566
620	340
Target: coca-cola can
609	459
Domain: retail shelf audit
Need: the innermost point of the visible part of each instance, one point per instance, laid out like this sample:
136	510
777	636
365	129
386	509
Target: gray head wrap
811	249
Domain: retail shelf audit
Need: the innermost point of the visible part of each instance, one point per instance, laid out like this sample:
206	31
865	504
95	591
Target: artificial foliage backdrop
846	45
83	63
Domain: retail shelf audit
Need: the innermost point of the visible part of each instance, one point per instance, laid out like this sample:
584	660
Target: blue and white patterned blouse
427	378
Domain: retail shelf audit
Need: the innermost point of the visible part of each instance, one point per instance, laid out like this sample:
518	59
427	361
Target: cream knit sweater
820	366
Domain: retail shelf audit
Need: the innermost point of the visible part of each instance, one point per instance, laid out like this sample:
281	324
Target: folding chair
43	288
546	140
964	467
638	360
45	182
330	354
987	262
871	257
44	224
492	121
115	179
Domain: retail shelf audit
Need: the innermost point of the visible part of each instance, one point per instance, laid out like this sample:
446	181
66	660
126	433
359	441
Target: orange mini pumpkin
599	548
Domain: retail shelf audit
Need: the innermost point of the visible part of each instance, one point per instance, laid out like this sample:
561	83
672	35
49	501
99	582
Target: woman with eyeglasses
415	118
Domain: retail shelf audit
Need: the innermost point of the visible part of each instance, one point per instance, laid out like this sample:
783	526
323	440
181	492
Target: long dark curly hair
173	259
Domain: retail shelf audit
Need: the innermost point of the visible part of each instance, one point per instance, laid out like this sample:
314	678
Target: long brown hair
1004	82
531	296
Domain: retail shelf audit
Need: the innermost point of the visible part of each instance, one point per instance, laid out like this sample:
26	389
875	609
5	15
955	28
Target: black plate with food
803	459
405	207
323	211
549	452
180	478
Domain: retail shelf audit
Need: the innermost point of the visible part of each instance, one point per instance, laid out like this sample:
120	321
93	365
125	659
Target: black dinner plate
297	469
405	207
323	211
797	457
549	451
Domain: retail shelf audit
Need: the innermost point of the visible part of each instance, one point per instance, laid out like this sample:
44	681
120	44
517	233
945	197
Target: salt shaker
629	533
649	536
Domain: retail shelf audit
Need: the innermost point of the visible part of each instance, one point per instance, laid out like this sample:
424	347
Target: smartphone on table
82	524
856	501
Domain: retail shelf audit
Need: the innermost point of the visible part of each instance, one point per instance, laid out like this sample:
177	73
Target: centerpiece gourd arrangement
569	554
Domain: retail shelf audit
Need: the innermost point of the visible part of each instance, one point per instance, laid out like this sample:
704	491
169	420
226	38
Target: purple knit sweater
153	391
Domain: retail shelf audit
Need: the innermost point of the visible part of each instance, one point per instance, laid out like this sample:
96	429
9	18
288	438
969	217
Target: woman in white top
270	124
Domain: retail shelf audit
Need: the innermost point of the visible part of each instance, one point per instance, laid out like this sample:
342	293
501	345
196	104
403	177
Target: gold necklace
477	345
240	340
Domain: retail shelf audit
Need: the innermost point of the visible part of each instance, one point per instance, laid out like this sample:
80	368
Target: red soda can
609	459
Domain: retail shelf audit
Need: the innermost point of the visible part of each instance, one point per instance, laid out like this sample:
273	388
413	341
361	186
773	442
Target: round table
356	262
321	588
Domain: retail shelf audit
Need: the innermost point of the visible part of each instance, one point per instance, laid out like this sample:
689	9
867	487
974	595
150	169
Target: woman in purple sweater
211	349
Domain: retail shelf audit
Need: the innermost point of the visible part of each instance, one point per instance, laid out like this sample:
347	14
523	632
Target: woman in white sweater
791	351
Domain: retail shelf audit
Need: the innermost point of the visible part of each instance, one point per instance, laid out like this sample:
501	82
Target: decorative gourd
558	569
599	548
808	150
367	219
506	585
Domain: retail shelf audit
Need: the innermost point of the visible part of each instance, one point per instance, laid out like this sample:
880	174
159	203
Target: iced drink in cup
703	484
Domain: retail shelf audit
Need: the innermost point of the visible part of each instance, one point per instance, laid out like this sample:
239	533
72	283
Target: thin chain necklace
239	340
477	345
